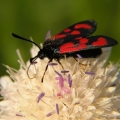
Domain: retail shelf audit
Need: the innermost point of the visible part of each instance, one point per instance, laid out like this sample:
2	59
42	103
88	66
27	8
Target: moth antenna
19	37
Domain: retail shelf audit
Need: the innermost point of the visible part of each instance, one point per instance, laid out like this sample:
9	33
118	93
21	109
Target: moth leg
79	62
75	59
60	64
45	70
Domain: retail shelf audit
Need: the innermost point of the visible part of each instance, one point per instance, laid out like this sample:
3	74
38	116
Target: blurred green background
35	17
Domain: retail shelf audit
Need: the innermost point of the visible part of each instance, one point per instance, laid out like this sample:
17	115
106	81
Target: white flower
84	90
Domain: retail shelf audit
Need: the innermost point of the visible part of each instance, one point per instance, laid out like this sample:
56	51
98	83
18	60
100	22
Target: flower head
85	89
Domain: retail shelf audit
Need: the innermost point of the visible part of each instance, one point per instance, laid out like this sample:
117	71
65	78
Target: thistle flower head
85	90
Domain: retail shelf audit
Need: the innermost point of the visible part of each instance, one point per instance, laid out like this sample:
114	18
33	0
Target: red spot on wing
100	42
75	32
67	30
59	36
67	45
71	47
84	40
78	26
78	38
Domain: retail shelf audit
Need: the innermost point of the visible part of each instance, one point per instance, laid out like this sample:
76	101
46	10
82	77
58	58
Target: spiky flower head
85	90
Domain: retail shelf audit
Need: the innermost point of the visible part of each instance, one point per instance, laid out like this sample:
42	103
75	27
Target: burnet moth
71	42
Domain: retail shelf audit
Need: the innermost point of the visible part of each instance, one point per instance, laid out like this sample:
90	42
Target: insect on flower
72	41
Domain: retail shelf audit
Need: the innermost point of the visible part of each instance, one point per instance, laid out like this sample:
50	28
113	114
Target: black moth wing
86	47
80	29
